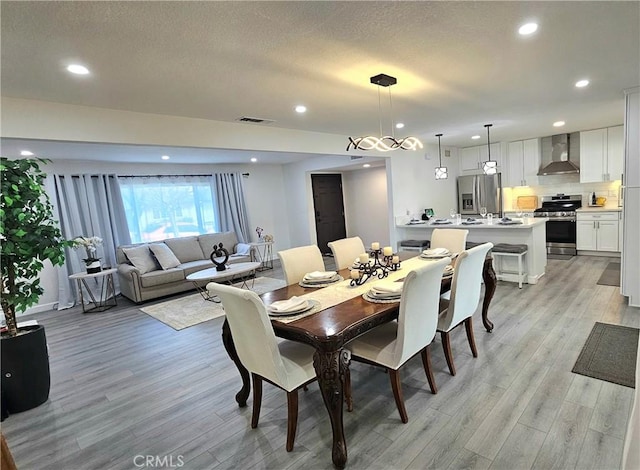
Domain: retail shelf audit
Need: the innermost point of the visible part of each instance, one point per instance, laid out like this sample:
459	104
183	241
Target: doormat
611	275
193	309
610	354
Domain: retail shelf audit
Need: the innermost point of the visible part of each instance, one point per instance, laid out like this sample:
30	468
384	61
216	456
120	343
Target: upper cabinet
472	158
523	161
601	154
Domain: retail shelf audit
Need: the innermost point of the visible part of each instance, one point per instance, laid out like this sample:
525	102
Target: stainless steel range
561	226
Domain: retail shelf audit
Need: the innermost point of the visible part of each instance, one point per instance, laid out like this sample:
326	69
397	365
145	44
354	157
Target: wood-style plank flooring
125	386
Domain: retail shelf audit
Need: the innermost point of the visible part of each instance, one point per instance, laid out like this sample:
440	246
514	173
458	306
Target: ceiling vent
356	157
255	120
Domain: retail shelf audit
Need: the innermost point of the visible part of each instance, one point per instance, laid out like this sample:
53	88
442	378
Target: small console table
102	300
263	253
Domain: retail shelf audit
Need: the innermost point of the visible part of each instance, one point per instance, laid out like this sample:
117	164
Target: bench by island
532	232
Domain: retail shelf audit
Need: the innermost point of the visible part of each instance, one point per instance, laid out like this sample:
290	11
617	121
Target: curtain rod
157	176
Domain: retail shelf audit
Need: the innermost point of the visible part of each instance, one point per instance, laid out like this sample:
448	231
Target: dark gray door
329	209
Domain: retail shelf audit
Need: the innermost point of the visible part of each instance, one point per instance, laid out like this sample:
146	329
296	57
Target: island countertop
527	223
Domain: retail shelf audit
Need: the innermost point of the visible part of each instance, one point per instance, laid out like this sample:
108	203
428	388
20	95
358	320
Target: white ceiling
459	64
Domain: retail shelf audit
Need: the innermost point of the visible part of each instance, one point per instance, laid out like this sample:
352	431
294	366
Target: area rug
611	275
609	354
192	309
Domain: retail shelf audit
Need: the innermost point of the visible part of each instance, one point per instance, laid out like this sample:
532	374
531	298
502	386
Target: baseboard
39	309
606	254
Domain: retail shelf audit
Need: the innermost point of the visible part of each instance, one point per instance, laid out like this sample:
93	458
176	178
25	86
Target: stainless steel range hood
560	154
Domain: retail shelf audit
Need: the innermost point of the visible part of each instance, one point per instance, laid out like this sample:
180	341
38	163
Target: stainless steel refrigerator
476	191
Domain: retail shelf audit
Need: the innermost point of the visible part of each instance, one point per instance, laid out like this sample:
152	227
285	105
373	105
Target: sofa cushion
161	277
186	248
140	256
193	266
228	240
164	255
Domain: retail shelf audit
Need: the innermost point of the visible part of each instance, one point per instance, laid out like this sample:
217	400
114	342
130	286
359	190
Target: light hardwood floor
125	385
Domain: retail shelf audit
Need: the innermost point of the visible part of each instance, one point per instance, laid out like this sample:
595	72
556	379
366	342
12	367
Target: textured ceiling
459	64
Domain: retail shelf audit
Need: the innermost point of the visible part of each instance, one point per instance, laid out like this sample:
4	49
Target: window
162	207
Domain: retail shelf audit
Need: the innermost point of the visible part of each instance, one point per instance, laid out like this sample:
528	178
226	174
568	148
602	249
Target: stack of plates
385	291
448	271
320	278
508	221
441	222
292	306
435	253
471	221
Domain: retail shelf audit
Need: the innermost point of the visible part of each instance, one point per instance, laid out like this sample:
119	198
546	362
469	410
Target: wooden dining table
328	331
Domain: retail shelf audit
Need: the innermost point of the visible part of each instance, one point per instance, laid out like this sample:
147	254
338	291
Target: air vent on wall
255	120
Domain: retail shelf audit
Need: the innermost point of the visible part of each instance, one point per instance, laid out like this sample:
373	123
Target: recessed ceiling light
558	124
254	159
301	109
26	153
528	28
475	137
399	125
165	157
366	165
78	69
582	83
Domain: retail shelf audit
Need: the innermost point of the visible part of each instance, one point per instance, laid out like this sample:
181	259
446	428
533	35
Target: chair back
296	262
453	239
466	284
418	315
252	332
346	250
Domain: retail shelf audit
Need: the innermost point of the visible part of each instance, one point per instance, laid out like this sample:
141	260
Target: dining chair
346	250
285	364
452	239
392	344
296	262
465	296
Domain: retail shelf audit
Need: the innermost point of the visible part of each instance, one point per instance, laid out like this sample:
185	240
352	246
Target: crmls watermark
164	461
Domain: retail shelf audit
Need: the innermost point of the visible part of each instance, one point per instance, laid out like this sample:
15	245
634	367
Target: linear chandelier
384	143
441	171
490	167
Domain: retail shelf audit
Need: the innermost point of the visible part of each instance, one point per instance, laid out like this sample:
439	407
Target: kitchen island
532	232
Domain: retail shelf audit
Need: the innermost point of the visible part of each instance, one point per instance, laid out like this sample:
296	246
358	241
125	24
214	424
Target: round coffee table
201	278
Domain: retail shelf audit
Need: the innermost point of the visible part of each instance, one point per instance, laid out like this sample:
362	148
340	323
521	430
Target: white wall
366	205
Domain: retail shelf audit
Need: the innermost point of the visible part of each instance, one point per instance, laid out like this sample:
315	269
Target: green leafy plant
28	236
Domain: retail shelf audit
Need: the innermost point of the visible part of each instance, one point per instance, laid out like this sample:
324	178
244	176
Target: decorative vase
94	267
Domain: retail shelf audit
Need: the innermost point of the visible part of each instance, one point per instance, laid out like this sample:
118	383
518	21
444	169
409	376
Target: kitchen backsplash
608	190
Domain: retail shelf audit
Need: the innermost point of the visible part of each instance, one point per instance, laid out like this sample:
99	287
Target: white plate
325	282
311	303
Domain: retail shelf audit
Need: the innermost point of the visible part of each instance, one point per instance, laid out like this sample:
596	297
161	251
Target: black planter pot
25	379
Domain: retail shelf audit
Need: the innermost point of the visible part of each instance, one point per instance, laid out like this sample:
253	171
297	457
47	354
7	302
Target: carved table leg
330	366
227	340
489	278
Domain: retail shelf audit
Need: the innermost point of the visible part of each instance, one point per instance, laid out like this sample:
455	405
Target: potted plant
28	236
90	244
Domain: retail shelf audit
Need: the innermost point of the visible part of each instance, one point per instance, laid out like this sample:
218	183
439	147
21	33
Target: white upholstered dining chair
285	364
392	344
296	262
346	250
465	296
452	239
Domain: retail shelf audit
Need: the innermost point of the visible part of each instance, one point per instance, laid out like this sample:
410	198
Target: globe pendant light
490	167
384	143
441	171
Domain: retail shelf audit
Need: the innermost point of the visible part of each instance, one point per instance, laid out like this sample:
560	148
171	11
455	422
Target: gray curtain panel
88	205
231	205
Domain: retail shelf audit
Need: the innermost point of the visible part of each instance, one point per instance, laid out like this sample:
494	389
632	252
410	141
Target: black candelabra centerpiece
377	262
219	253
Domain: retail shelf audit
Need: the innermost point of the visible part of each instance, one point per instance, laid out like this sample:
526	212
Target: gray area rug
190	310
611	275
609	354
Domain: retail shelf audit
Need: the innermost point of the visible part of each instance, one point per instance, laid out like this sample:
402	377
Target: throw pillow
141	258
164	255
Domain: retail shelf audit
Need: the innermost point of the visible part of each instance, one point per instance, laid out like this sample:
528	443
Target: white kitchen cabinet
597	231
523	161
472	158
601	154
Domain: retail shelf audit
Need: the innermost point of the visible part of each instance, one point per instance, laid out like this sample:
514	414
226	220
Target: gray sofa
151	270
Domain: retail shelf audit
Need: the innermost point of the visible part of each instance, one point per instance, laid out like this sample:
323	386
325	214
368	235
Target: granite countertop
527	223
606	208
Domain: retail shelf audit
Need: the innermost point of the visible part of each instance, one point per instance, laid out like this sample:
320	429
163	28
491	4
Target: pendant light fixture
441	171
384	143
490	167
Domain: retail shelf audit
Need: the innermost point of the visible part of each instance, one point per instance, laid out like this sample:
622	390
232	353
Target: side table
264	254
105	296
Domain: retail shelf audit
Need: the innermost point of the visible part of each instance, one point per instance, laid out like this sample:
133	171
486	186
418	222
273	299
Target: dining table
329	330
